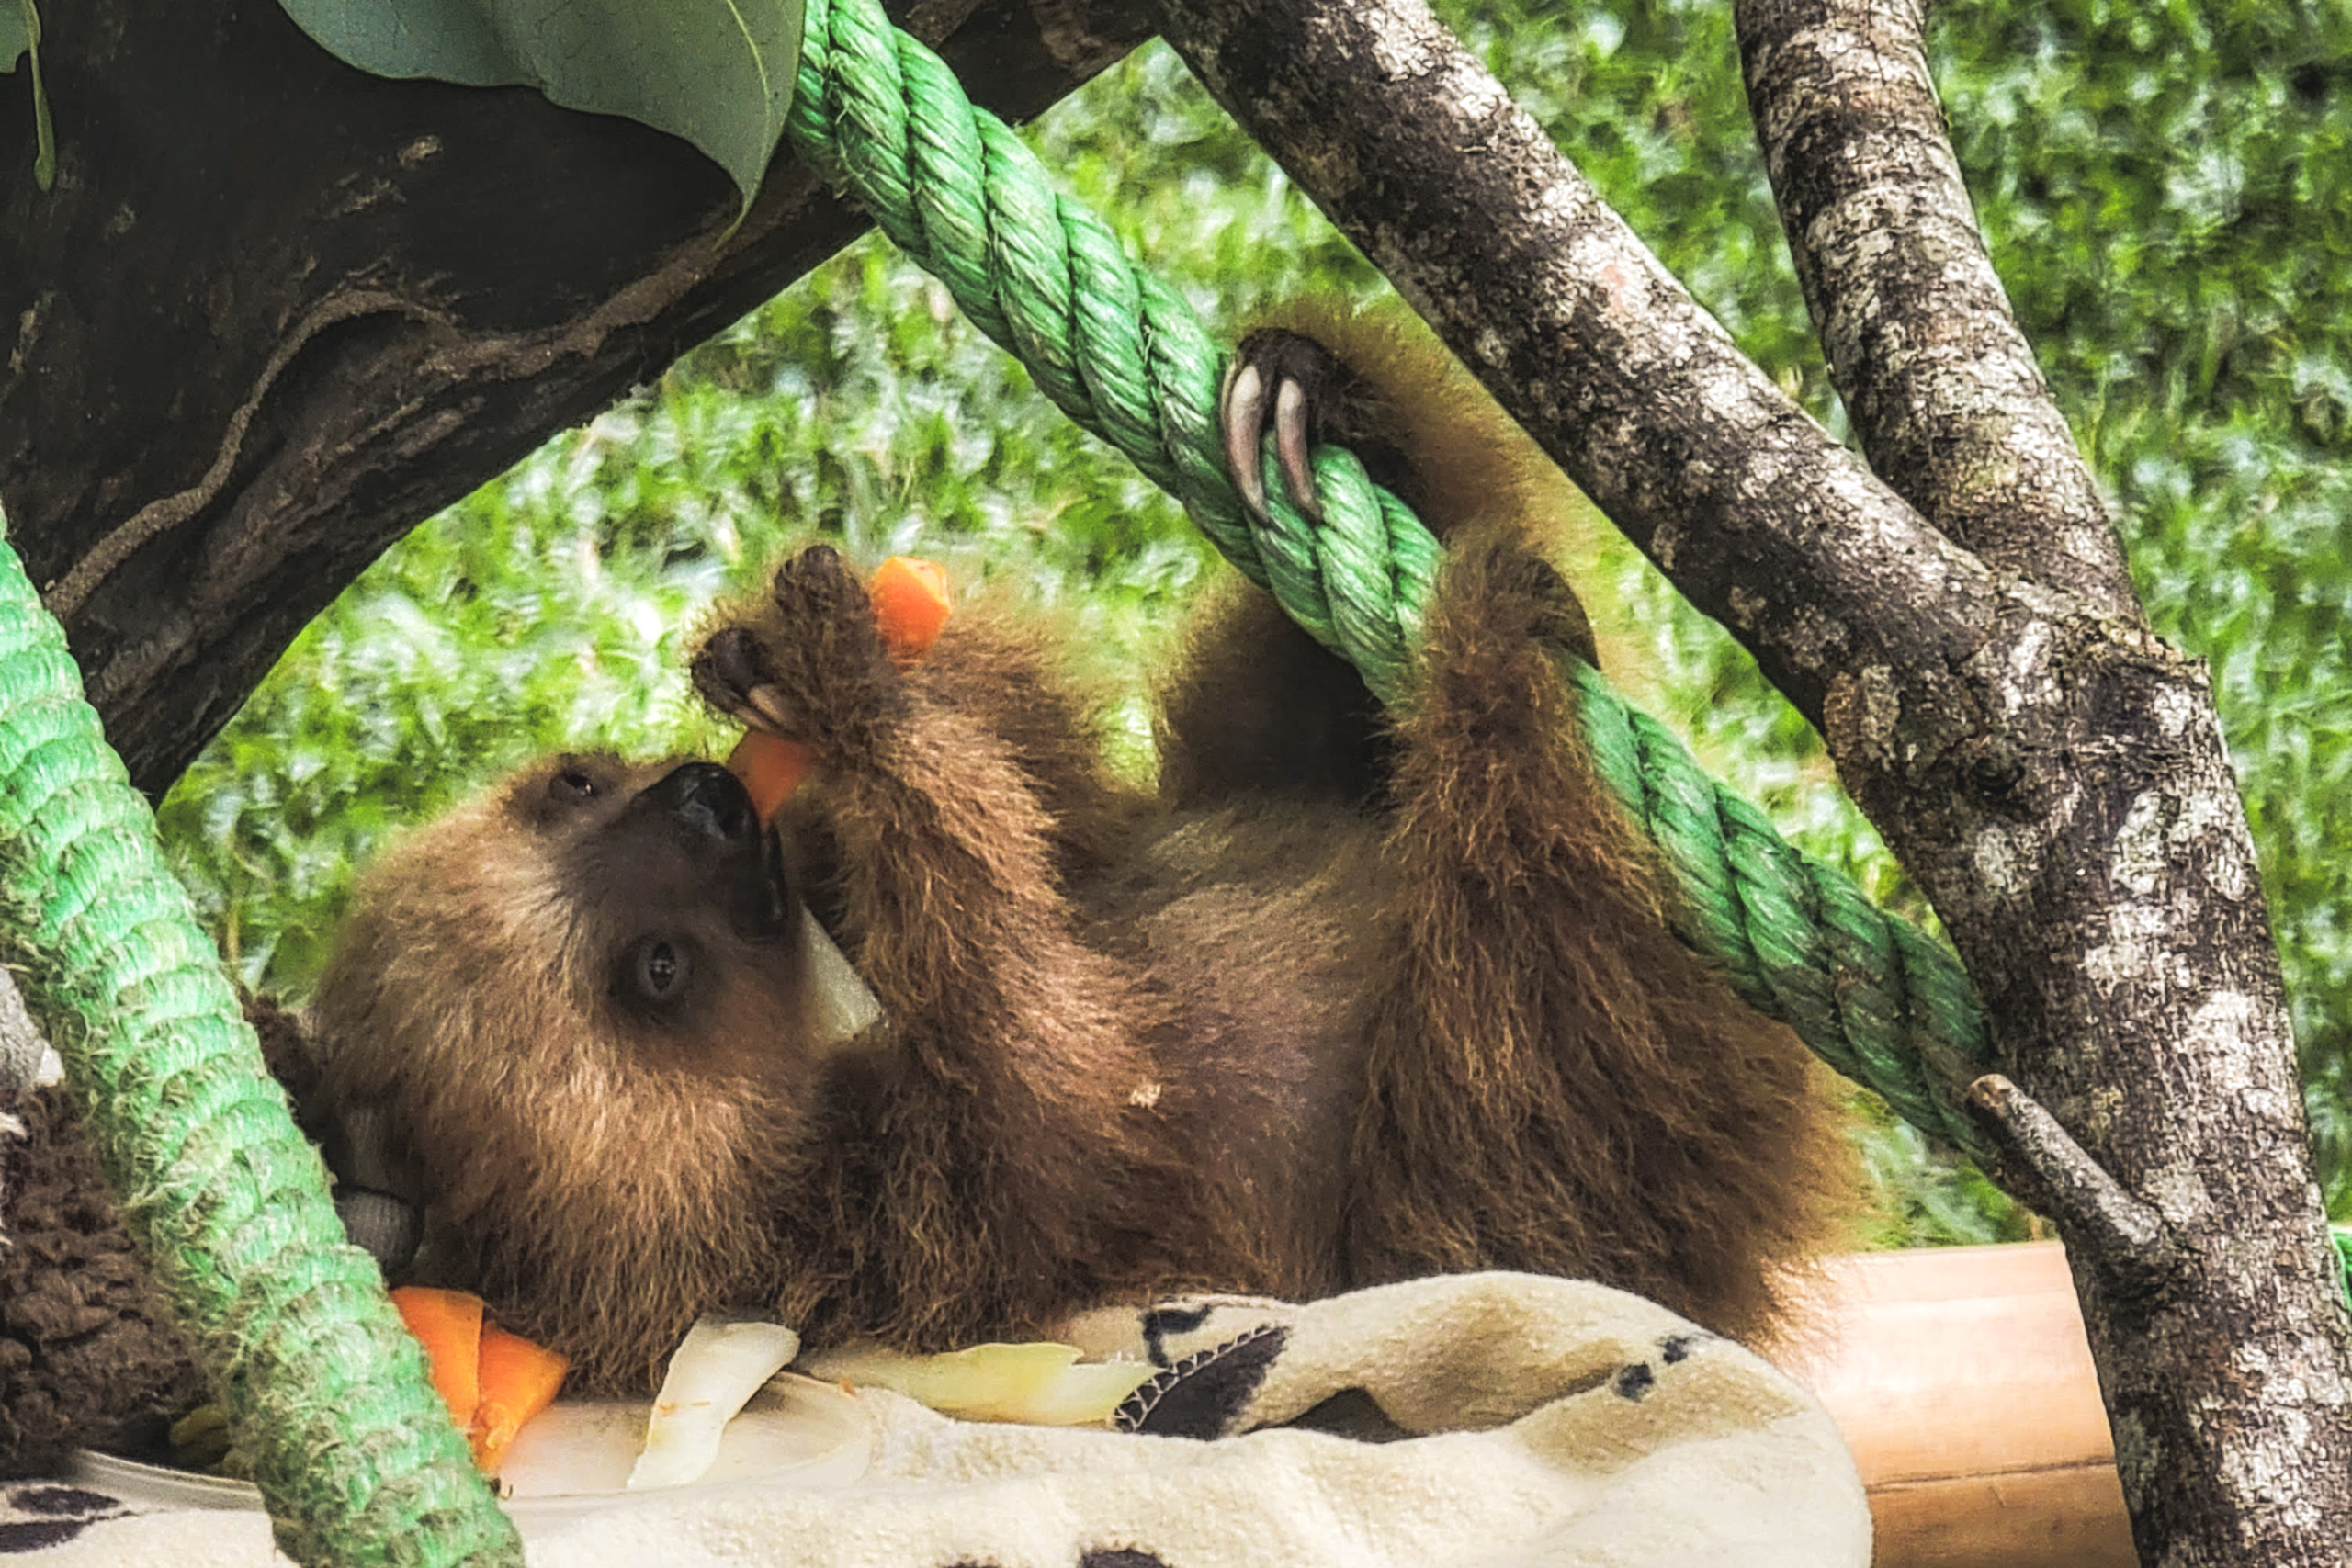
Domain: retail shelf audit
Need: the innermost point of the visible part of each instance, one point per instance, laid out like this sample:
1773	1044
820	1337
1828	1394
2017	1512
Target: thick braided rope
880	116
1873	996
356	1456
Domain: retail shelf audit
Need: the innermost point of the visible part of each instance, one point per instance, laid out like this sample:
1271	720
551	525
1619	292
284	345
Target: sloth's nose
708	801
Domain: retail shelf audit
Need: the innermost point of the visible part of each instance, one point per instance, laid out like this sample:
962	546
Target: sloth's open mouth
763	910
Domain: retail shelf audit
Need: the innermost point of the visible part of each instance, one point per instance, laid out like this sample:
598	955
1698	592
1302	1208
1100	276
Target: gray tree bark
1942	388
1957	620
276	310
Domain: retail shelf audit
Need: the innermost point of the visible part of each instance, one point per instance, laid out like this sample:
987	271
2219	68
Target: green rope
356	1456
879	115
1870	993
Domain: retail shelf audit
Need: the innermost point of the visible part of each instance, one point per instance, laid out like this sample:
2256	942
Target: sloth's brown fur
1347	1001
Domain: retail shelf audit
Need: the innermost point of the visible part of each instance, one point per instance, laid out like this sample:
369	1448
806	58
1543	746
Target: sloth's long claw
1242	413
1291	382
732	678
726	664
1291	442
763	705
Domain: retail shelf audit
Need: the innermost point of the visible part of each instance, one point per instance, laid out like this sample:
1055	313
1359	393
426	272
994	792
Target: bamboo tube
1963	1384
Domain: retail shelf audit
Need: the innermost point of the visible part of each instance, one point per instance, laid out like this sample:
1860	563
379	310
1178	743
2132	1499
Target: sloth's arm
952	901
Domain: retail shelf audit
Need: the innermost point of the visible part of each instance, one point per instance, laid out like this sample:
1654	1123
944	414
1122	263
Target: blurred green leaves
2167	193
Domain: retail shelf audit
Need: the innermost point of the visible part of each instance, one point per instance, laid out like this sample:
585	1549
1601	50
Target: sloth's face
571	1022
679	924
672	886
586	924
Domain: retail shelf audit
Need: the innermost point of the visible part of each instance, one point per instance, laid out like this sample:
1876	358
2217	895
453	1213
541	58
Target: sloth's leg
985	1166
1256	705
1555	1082
1256	708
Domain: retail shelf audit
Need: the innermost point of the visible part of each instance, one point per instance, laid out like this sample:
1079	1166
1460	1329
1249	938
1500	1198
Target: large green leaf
15	34
717	73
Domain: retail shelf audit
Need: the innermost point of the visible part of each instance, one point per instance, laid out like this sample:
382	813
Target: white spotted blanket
1483	1420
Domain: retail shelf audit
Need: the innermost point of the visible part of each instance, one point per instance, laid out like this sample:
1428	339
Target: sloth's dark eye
661	970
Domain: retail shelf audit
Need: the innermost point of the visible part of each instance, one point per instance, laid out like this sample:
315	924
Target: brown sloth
1349	998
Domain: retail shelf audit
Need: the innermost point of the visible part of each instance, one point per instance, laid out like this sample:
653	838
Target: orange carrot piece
518	1381
449	1325
911	604
770	768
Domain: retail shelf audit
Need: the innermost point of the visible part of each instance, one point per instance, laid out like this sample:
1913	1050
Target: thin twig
2123	1237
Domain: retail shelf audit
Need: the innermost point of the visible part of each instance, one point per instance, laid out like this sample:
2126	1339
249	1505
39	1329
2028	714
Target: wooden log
1962	1380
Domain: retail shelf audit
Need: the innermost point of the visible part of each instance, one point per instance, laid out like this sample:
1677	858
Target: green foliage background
2167	191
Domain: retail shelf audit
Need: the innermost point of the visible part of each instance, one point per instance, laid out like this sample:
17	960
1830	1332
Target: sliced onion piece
723	1362
1042	1384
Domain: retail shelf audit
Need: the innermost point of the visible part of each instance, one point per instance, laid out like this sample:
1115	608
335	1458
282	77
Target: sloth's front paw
809	664
1293	387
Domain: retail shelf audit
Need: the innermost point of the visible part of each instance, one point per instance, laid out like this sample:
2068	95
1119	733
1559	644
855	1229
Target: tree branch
2042	1164
1943	388
344	305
